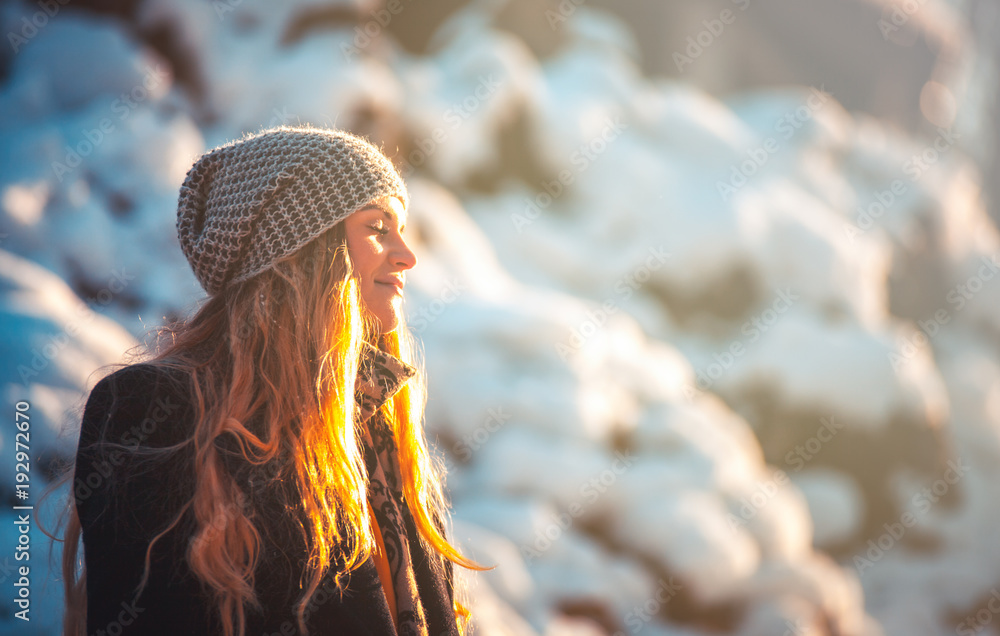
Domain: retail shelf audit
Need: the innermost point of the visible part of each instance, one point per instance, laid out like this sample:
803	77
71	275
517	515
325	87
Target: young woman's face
380	255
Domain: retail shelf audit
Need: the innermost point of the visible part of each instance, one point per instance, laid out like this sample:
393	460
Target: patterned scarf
380	375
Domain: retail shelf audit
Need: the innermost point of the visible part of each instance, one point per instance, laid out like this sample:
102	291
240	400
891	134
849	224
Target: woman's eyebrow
389	215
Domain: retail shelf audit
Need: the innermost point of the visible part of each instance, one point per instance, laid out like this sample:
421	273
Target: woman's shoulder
143	372
127	486
144	403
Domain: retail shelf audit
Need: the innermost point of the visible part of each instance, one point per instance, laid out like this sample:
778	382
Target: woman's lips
398	286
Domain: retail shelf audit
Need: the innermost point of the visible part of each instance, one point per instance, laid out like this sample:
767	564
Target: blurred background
707	291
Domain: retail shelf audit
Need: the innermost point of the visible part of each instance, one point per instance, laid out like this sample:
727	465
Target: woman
219	486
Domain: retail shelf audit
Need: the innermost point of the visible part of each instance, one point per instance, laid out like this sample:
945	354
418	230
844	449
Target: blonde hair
285	346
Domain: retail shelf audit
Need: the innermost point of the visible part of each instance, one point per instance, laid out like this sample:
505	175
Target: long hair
284	347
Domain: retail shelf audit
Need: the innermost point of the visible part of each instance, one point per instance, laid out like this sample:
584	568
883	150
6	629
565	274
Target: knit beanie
251	202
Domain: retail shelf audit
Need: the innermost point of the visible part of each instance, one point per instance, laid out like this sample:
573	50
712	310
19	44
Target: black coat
140	405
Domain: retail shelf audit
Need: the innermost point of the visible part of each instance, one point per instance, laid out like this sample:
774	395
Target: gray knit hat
248	203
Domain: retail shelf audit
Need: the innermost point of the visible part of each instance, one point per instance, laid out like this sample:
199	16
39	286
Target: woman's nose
403	256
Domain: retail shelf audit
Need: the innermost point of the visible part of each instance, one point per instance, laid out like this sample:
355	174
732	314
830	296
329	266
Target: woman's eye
379	229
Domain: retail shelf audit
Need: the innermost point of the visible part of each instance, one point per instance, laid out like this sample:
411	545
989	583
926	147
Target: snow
623	356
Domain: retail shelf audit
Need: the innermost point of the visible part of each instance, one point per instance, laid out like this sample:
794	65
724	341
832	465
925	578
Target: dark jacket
145	406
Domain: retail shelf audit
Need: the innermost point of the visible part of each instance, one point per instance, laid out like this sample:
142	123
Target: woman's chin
387	321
